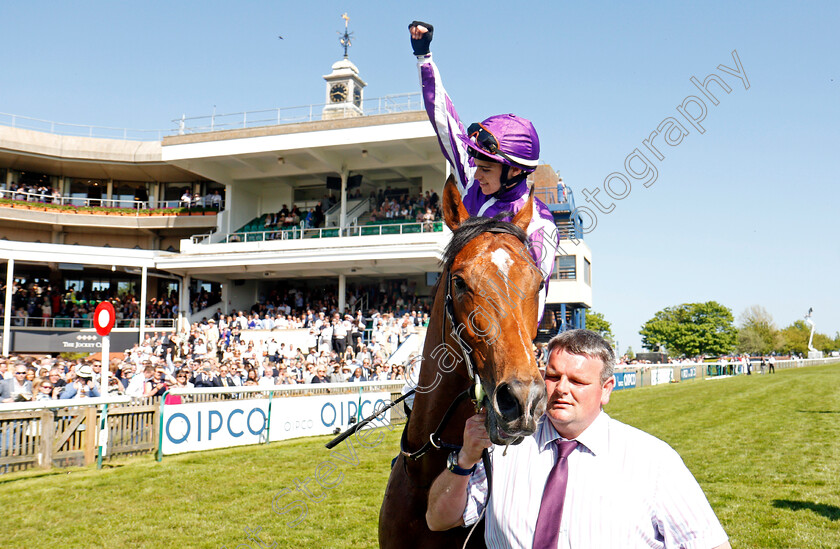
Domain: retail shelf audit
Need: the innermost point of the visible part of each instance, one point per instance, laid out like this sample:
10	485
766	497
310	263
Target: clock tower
344	87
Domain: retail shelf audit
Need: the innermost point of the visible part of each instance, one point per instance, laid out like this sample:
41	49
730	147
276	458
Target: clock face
338	93
357	97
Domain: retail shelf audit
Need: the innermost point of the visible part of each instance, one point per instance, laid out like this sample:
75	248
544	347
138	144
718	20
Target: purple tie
551	507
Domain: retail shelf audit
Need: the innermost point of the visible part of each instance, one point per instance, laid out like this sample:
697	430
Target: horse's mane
474	226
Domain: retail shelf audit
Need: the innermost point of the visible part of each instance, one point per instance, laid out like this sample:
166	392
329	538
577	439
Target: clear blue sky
746	213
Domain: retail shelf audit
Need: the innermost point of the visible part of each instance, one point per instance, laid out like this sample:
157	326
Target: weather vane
345	39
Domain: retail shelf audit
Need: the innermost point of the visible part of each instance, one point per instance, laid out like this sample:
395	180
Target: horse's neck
437	389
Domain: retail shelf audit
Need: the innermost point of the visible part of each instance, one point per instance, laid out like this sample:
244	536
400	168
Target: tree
630	354
758	334
691	329
597	323
795	339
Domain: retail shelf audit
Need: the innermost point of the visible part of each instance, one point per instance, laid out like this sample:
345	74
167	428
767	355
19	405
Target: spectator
358	375
17	389
267	380
181	382
251	378
226	379
206	377
137	384
320	375
42	390
156	386
82	386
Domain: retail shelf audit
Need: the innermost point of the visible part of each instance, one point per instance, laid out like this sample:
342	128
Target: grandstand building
195	214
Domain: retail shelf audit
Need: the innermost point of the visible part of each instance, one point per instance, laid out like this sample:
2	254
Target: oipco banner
624	380
207	425
293	417
688	373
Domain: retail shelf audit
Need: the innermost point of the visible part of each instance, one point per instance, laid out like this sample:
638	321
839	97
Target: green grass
765	449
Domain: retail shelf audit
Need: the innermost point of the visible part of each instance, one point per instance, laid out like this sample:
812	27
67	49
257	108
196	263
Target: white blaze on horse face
502	260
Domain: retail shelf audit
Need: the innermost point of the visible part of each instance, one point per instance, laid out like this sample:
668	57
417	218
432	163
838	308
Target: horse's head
494	284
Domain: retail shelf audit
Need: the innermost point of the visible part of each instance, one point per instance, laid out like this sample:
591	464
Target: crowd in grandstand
36	301
400	205
43	301
215	354
212	199
33	193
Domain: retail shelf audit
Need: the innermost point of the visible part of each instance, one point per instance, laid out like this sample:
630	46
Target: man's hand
448	494
421	36
476	439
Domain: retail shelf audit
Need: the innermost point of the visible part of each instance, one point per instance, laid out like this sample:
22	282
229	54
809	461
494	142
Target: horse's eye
459	283
542	285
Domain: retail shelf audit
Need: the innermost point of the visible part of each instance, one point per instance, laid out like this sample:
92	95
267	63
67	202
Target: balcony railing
388	104
297	233
59	322
79	130
24	198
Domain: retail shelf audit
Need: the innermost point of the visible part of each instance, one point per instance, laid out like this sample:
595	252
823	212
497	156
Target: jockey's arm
446	123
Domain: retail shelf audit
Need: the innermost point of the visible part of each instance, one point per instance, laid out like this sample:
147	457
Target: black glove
421	45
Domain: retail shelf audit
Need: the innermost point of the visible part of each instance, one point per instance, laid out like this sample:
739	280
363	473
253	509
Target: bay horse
483	321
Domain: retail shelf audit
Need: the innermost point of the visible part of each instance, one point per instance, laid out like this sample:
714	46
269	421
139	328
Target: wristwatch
452	465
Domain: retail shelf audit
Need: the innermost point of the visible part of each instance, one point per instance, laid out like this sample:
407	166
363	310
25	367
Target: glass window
127	193
75	284
564	267
587	272
124	288
100	285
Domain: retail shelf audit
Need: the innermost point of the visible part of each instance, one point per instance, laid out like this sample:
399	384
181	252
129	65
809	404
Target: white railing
79	130
66	403
388	104
77	201
297	233
64	322
302	389
401	102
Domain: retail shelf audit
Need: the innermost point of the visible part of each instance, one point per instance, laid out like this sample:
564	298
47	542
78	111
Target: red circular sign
103	318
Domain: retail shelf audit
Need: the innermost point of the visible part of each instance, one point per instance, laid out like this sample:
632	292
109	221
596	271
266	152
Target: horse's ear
523	217
454	211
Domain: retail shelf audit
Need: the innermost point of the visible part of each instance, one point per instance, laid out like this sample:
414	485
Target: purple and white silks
542	232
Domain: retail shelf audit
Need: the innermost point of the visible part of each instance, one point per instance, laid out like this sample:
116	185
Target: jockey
491	162
491	159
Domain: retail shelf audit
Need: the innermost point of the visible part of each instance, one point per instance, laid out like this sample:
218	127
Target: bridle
474	392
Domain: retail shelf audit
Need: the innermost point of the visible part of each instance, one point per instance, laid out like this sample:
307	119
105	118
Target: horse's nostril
537	399
507	405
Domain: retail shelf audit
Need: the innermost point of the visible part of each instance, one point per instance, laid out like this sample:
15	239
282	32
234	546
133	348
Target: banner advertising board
293	417
48	340
688	373
198	426
208	425
624	380
661	375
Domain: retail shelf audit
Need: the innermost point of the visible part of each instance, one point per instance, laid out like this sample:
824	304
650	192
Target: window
100	285
126	194
564	267
75	284
587	272
124	288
